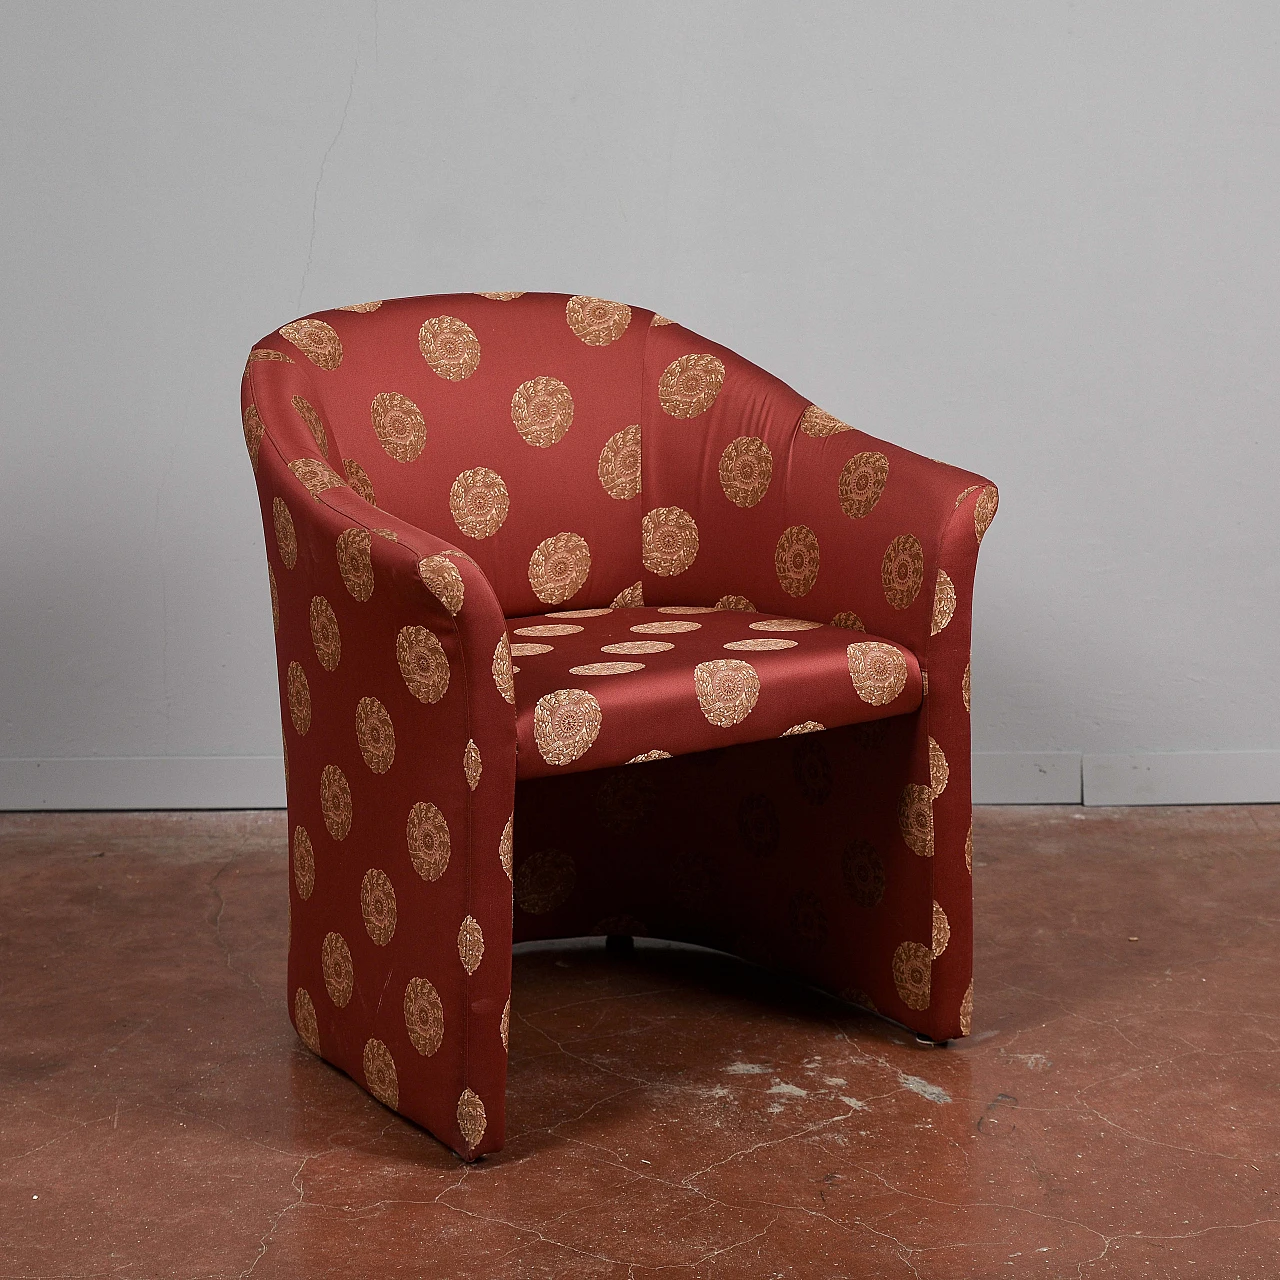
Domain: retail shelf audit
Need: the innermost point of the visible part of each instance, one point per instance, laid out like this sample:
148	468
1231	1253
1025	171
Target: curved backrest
587	453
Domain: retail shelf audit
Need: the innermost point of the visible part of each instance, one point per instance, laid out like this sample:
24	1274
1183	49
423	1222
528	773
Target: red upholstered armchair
577	608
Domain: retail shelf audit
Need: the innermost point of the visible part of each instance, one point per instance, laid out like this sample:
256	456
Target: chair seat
602	687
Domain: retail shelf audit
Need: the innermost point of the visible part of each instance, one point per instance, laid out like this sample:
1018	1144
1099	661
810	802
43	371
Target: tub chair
586	625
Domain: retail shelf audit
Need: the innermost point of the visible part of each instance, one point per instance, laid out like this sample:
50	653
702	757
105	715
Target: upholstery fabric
434	471
600	687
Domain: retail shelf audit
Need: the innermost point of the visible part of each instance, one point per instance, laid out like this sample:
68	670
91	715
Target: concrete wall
1034	240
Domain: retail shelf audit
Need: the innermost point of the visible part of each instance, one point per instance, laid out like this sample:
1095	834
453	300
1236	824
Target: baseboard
1026	777
999	777
143	782
1183	777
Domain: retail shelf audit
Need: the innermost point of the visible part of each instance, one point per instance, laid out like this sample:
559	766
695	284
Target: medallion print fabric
551	575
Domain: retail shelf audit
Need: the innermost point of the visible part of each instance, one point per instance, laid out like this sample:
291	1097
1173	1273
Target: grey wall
1039	241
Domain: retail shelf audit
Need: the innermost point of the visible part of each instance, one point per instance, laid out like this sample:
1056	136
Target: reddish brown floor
1116	1113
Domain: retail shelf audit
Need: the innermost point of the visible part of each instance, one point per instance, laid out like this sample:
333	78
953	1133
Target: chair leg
619	943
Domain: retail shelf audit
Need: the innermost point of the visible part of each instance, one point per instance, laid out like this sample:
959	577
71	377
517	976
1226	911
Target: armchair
585	624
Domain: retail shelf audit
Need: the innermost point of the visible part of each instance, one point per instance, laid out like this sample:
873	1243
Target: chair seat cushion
602	687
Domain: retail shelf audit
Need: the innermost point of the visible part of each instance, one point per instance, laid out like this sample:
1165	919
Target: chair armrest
400	742
750	491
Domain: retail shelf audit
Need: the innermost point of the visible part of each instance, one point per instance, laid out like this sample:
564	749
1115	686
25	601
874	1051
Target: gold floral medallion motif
763	644
427	834
984	511
941	930
315	476
727	690
665	628
530	650
304	1019
796	560
423	1016
559	567
550	629
471	1117
915	818
399	425
669	541
806	726
631	598
335	965
785	624
739	603
637	646
440	576
304	863
619	465
965	686
363	308
299	698
450	347
325	636
912	969
606	668
335	802
380	1073
544	881
597	321
689	386
286	537
307	412
506	845
966	1010
565	724
504	1025
376	734
902	570
422	663
472	765
479	502
944	603
579	613
470	944
746	467
645	756
358	479
862	481
254	429
939	769
504	296
818	423
848	620
503	676
317	341
878	671
542	411
265	354
355	562
378	906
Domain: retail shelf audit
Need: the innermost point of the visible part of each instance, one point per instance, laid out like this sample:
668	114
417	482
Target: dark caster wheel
619	943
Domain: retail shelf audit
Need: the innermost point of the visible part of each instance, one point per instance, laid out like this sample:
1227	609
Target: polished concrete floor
1115	1114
